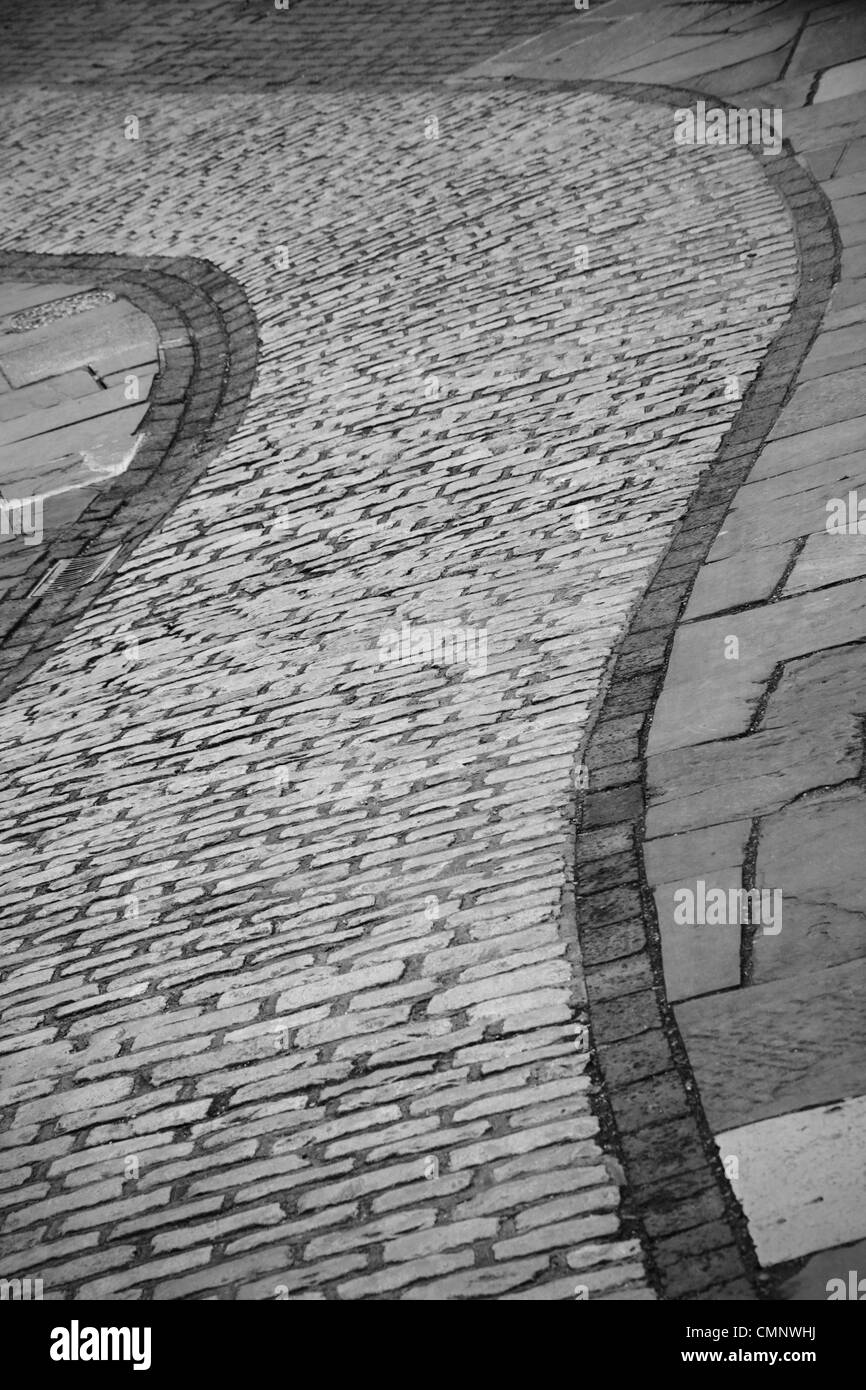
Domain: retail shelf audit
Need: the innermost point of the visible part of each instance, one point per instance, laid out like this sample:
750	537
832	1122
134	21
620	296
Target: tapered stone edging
675	1195
208	354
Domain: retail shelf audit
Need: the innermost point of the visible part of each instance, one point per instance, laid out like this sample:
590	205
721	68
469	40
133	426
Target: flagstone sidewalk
754	729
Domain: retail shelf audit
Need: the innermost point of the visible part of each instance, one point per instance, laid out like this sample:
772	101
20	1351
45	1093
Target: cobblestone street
361	725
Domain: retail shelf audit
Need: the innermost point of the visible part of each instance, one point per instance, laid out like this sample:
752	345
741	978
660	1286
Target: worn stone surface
801	1178
721	668
826	560
726	584
807	735
738	52
811	1283
810	445
816	404
808	848
669	858
836	38
779	510
794	1041
699	957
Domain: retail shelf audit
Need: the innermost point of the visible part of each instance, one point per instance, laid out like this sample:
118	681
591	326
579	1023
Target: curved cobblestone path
293	1003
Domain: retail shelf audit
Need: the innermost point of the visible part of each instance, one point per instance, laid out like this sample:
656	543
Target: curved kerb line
208	352
676	1198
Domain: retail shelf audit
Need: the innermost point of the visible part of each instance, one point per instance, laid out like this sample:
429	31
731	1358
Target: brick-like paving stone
295	1005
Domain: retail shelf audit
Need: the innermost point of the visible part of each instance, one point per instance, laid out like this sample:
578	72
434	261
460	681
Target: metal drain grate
83	568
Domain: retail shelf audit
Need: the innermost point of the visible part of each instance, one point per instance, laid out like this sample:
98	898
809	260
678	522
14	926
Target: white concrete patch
801	1178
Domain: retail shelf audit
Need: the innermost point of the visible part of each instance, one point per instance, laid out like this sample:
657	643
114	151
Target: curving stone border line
208	355
676	1197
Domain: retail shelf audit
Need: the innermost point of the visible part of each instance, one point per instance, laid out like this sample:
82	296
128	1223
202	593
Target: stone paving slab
43	394
852	159
813	1278
26	461
813	1024
827	402
767	511
806	847
724	584
703	663
823	366
54	418
776	40
714	848
824	561
574	55
818	1155
842	81
698	962
830	442
829	41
